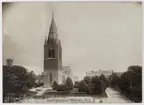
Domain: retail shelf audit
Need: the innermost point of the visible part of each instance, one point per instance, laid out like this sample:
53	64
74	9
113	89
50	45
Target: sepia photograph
72	52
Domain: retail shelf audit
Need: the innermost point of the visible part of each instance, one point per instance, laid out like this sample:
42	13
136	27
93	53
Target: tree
130	83
77	83
83	87
124	83
69	83
31	79
55	85
135	82
97	86
87	79
114	80
104	80
17	79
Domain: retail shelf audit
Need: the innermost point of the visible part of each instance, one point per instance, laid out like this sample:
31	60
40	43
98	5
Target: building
9	62
107	73
67	72
53	69
75	78
119	73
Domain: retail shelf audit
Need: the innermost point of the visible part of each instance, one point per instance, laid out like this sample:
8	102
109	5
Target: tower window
50	78
51	53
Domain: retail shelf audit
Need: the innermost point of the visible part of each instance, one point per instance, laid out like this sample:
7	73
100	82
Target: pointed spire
53	30
53	27
52	14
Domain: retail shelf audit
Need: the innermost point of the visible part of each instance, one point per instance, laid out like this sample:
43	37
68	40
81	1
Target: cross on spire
52	13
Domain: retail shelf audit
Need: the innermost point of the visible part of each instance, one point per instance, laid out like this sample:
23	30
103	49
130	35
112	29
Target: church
53	69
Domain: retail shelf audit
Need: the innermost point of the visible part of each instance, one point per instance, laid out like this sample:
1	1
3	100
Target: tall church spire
52	31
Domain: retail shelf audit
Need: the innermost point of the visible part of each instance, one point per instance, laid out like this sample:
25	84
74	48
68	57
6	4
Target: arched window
50	78
49	53
53	53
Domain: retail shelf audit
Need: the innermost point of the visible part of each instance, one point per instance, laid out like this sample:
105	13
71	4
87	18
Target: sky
94	35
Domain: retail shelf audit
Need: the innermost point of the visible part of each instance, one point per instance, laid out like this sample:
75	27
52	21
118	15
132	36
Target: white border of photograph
1	90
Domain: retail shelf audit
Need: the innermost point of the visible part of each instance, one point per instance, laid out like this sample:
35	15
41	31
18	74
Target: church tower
52	56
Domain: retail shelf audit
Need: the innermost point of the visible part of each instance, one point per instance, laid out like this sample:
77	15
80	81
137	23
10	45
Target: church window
49	53
53	53
50	78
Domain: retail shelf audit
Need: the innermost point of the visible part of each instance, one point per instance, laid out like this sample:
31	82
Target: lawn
64	97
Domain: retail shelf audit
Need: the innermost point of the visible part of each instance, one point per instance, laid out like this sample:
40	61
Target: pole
130	87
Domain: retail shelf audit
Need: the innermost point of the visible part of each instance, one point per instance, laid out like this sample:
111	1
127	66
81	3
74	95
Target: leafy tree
97	86
31	79
17	79
104	80
77	83
83	87
134	75
114	80
87	79
135	69
130	83
124	83
69	84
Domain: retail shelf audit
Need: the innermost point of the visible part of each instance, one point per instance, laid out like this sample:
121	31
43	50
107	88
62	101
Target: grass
57	97
63	99
15	97
62	94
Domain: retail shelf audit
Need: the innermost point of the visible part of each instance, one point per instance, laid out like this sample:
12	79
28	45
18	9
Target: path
115	97
40	90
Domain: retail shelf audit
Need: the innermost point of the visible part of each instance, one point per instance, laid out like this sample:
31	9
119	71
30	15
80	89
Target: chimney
9	62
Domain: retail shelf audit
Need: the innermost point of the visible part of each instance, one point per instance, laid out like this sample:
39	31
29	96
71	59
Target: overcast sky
93	35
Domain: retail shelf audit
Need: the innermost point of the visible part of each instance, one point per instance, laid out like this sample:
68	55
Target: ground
113	96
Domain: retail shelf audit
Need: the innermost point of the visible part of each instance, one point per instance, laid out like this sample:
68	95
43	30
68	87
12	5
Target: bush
83	87
77	83
61	87
39	84
55	85
96	86
69	84
87	79
93	85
